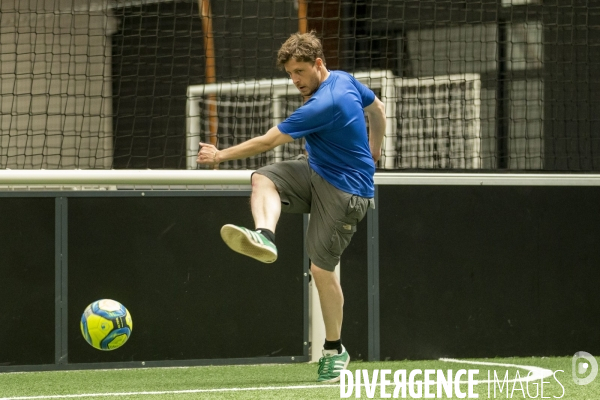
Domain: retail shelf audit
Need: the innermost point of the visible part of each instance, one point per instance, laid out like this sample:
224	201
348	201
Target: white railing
116	179
242	177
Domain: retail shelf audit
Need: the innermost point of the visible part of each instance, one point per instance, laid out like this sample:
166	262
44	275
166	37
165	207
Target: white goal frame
276	89
383	80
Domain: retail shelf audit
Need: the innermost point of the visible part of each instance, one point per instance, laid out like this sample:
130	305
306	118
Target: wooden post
302	16
210	70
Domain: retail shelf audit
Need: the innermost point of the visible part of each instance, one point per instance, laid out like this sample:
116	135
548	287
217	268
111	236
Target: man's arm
210	155
376	115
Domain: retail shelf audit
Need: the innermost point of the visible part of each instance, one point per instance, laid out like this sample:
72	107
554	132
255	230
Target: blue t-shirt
333	124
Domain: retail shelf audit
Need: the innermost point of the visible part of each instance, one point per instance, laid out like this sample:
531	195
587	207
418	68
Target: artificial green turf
63	383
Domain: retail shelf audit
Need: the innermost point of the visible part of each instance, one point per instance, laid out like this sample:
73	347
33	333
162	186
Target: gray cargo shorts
334	213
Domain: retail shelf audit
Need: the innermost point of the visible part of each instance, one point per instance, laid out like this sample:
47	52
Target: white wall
55	84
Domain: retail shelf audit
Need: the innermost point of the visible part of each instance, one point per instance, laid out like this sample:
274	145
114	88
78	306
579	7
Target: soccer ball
106	324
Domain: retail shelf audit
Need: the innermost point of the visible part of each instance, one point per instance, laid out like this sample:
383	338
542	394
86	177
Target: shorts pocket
357	208
342	234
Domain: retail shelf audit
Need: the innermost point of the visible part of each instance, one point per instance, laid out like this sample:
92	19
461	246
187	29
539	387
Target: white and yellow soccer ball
106	324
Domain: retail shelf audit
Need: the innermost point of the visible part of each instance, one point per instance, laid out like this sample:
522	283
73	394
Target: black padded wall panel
470	271
190	296
354	280
27	281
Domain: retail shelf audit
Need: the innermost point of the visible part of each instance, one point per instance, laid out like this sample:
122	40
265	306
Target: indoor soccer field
286	381
475	274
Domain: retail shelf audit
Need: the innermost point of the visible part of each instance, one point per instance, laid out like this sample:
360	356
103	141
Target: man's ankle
266	233
333	345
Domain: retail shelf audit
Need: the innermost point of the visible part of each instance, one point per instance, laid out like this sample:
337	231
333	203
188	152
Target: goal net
432	123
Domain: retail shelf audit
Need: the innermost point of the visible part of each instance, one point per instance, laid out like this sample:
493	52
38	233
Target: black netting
104	84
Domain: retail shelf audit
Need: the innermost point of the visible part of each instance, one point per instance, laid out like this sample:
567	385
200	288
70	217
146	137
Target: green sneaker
331	365
249	243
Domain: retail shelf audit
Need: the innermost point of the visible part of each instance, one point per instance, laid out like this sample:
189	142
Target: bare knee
261	182
322	275
328	285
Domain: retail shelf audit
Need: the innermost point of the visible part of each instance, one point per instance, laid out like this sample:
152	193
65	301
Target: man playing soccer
334	183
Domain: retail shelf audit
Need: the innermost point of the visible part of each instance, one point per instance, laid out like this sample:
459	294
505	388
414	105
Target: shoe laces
326	363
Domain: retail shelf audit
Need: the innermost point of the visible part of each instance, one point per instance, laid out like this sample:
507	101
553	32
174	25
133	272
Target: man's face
306	76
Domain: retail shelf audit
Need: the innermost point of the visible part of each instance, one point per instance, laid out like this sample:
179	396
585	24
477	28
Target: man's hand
377	121
376	154
208	154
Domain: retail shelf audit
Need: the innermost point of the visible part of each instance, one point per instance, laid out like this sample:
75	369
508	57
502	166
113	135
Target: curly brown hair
304	47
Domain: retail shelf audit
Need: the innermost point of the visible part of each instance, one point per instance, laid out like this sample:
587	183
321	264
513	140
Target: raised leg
265	203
